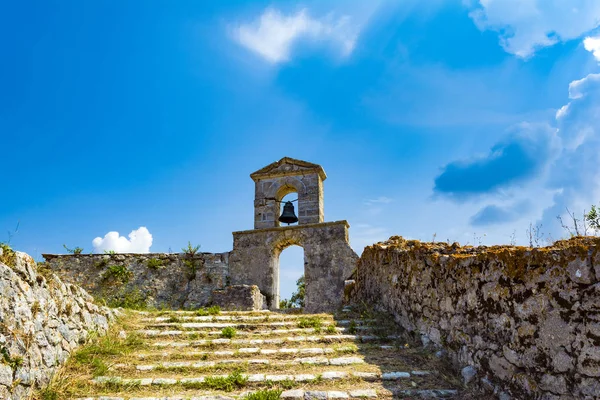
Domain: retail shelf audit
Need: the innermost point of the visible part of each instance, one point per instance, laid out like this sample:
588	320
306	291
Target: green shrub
132	299
76	250
154	263
189	261
331	329
228	332
192	266
190	250
118	273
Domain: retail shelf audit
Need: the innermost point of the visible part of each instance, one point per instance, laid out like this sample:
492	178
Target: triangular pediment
288	166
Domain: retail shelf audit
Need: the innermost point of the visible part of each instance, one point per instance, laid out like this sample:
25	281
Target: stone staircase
180	355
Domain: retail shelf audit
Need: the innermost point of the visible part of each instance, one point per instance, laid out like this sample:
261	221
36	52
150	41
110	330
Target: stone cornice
295	227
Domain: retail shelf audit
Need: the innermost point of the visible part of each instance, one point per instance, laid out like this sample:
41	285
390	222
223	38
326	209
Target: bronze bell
288	216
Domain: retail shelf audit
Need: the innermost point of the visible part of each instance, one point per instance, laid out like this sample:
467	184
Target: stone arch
328	261
281	243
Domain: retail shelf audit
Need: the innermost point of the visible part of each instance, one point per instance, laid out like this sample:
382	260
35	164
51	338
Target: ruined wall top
278	179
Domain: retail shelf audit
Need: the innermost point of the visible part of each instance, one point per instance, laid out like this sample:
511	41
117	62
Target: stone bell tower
328	257
276	180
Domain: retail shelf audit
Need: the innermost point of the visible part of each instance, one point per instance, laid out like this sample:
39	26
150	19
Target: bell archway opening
290	285
288	208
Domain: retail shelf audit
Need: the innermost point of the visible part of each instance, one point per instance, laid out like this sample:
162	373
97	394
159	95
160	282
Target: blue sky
464	119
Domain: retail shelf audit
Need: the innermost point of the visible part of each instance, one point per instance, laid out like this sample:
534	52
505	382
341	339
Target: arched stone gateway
328	257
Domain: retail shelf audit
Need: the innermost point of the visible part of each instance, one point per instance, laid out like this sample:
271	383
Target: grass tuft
8	256
264	395
228	332
212	310
310	322
228	383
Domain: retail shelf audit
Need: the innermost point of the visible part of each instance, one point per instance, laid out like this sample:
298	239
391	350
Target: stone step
244	318
252	325
207	364
274	341
328	375
301	394
268	332
281	351
229	316
288	394
222	312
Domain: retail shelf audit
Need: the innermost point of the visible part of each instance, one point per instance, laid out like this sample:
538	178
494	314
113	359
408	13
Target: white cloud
527	25
379	200
273	35
575	174
139	241
376	206
592	44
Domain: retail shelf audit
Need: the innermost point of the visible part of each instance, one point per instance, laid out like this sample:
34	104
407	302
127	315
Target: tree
593	218
297	299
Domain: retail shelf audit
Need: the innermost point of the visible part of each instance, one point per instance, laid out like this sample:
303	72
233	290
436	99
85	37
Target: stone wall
41	321
522	322
155	279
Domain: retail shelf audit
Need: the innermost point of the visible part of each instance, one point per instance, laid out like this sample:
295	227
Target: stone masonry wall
526	321
328	261
155	279
41	322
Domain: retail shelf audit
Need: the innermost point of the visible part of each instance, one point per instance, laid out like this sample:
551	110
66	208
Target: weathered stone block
240	297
